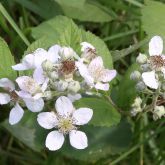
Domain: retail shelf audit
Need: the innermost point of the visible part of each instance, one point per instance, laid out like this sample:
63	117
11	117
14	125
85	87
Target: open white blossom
95	74
16	112
65	121
156	61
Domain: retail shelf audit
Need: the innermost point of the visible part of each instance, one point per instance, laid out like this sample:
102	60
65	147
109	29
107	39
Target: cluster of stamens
157	62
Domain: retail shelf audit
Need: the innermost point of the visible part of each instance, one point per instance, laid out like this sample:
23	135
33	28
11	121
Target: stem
141	139
13	24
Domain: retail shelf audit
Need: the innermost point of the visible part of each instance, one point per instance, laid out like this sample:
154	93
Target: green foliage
126	92
153	21
104	114
6	61
103	141
62	30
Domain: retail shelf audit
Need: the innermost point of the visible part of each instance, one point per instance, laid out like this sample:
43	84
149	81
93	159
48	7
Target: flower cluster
60	74
151	77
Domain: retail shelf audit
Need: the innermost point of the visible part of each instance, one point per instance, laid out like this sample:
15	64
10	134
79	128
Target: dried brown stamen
90	50
157	62
14	96
68	67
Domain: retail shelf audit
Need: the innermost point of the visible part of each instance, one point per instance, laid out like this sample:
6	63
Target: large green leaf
104	114
6	61
153	21
84	11
62	30
102	141
28	131
127	92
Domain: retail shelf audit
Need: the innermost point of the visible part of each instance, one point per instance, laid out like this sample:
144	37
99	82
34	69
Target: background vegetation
125	26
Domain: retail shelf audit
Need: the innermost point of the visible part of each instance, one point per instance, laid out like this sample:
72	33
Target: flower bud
48	95
145	67
74	86
135	110
140	86
53	75
67	53
61	85
158	112
47	65
137	102
141	59
135	75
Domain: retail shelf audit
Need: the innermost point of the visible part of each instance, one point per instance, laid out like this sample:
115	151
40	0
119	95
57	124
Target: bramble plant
82	82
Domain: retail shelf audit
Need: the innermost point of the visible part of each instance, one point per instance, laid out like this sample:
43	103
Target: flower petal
78	139
16	114
53	53
150	80
38	75
54	140
82	116
4	98
47	120
40	55
86	45
155	46
34	105
23	94
107	75
64	106
6	83
101	86
95	64
74	97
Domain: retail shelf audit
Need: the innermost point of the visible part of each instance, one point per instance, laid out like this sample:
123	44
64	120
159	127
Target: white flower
66	120
31	92
67	53
16	112
158	112
35	59
88	51
74	97
95	74
157	62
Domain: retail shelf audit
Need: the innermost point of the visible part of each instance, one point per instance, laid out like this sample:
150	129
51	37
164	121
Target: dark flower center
157	62
68	67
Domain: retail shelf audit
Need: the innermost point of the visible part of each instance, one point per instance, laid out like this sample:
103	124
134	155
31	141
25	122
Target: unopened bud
61	85
135	75
145	67
48	95
74	86
140	86
53	75
67	53
135	110
47	65
159	112
137	102
141	59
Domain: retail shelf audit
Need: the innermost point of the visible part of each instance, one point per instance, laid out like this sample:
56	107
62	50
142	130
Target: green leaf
6	61
153	21
102	141
28	131
127	92
62	30
104	114
84	11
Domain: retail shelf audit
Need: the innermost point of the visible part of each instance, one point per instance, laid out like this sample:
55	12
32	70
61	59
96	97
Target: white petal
4	98
53	53
96	64
23	94
74	97
38	75
150	80
6	83
101	86
86	45
64	106
34	105
27	63
45	85
78	139
108	75
54	140
155	46
47	120
16	114
163	70
82	116
40	55
85	73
